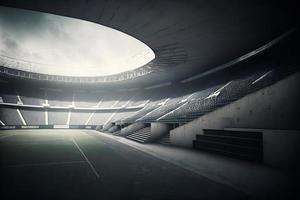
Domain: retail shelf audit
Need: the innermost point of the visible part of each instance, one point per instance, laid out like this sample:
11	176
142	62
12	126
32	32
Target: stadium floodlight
54	45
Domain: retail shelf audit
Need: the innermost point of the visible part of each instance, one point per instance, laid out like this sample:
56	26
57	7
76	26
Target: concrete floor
257	180
77	164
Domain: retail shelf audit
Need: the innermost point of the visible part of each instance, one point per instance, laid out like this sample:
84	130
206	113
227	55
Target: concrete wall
131	128
159	129
274	107
281	148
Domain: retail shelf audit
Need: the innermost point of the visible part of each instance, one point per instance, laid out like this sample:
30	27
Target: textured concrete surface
257	180
268	108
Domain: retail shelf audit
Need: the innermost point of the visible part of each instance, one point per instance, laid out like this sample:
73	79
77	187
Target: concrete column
159	129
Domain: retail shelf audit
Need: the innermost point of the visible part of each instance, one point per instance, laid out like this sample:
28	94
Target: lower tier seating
57	117
33	116
142	135
9	116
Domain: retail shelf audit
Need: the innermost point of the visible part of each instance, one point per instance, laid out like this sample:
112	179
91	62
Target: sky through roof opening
57	45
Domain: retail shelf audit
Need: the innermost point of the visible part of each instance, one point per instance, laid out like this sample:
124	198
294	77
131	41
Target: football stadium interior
149	99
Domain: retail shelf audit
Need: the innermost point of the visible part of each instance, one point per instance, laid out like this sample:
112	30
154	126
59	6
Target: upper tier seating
109	101
59	98
29	97
10	98
86	100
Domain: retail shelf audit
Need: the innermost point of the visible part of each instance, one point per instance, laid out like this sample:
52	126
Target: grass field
80	164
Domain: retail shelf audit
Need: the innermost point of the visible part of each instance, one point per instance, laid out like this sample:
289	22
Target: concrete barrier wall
48	127
280	147
274	107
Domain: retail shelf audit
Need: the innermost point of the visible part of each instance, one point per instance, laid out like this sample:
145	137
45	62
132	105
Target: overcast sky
68	46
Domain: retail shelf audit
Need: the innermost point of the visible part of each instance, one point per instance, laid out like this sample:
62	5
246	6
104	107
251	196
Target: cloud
68	46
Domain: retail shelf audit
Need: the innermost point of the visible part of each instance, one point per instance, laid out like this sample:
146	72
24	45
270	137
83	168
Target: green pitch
80	164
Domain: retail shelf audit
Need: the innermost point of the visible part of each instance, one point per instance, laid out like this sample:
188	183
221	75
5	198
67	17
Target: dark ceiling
188	37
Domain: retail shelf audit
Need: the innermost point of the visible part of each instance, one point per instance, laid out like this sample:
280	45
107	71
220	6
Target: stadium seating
59	98
142	135
9	116
99	108
100	117
139	114
29	97
169	105
57	117
33	116
79	117
215	97
10	98
86	100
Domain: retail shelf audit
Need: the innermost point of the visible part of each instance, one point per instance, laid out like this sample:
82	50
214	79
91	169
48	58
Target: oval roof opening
56	45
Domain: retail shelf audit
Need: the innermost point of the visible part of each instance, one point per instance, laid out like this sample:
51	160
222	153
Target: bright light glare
67	46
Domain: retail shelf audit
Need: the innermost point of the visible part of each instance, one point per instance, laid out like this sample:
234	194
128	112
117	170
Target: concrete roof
188	37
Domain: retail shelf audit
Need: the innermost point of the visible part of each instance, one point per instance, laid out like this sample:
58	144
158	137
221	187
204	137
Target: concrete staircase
244	145
142	135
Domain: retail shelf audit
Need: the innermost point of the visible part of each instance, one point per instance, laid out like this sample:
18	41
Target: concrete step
229	133
140	137
228	147
137	140
250	157
140	134
249	142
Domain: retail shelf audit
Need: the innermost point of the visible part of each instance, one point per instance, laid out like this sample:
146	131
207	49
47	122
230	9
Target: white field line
87	160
